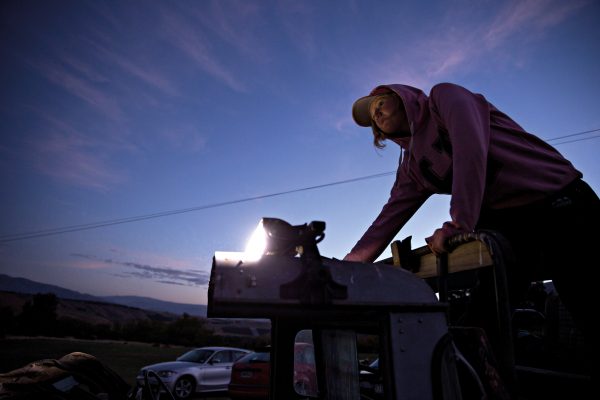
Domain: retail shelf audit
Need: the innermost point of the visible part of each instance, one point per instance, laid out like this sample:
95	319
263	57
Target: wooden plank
465	257
471	255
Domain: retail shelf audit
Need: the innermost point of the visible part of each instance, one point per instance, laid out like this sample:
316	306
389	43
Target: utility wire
94	225
578	140
574	134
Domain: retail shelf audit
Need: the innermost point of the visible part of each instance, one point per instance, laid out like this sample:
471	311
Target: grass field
125	358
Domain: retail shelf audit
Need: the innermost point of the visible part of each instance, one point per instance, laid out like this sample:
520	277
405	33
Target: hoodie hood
415	103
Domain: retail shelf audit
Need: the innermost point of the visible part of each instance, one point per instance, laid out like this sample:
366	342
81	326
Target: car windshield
258	357
197	356
304	354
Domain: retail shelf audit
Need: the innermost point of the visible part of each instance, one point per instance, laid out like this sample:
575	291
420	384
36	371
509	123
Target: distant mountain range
22	285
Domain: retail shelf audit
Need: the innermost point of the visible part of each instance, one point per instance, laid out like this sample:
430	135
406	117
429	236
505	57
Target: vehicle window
258	357
225	356
305	373
352	359
370	378
218	358
197	356
305	354
238	354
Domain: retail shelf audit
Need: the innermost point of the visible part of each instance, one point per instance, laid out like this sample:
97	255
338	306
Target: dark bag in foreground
74	376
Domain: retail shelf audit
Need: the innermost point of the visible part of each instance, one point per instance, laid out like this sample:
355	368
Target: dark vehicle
250	374
202	370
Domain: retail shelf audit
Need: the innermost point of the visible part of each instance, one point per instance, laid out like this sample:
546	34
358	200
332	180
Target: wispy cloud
184	138
146	72
297	19
167	275
236	23
185	26
171	283
178	135
98	44
73	82
188	38
464	39
63	159
85	70
459	44
518	22
60	151
537	14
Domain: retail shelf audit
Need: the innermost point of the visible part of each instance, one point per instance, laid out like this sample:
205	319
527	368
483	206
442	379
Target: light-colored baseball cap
360	110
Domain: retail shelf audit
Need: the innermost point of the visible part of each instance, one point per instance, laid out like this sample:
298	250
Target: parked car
201	370
250	374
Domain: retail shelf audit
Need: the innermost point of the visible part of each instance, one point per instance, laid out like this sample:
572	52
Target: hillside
92	312
100	313
95	310
27	286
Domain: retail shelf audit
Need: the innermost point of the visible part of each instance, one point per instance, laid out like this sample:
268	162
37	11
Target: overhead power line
577	140
94	225
574	134
100	224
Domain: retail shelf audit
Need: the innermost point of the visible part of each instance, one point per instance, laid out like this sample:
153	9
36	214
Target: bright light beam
255	248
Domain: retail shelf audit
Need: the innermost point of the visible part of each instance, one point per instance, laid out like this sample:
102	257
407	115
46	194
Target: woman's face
388	114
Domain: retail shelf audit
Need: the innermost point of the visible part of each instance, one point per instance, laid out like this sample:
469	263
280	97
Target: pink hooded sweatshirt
462	145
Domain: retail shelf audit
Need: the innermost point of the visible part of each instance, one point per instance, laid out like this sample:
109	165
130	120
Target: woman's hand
437	242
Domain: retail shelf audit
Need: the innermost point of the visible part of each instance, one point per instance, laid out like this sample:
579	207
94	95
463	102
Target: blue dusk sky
178	112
